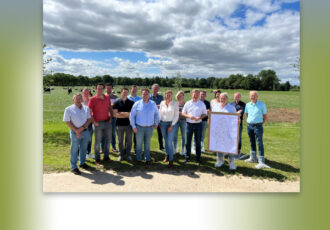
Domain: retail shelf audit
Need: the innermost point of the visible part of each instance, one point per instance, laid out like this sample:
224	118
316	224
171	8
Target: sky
195	38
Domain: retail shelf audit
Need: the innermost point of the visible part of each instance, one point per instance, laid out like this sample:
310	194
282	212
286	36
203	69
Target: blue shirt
144	114
134	99
255	112
157	99
76	116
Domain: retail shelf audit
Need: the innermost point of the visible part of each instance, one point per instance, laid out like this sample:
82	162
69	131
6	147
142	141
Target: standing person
240	107
102	120
121	110
168	116
256	112
204	122
143	118
182	124
220	105
78	118
86	94
134	97
194	110
113	99
157	98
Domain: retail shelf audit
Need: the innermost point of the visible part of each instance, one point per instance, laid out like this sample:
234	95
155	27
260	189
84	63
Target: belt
145	126
255	124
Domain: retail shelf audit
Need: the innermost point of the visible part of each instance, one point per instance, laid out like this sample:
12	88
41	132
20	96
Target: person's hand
110	120
192	118
96	123
155	126
169	129
135	130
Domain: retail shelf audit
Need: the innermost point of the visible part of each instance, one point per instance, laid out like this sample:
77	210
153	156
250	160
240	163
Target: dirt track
169	181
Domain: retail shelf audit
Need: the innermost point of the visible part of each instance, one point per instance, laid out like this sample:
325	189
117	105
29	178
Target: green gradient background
22	200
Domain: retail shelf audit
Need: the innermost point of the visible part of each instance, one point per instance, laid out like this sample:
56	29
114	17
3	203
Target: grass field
281	140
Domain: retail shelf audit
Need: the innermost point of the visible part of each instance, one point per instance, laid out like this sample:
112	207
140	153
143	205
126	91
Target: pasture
281	139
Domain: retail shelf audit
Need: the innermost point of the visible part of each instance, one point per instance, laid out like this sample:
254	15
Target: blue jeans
113	137
196	129
168	137
182	124
78	146
204	126
256	132
103	130
143	137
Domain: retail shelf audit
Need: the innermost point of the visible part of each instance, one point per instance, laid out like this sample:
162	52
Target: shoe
84	166
218	164
129	158
90	156
119	158
166	158
203	150
262	166
76	171
186	160
170	164
162	149
251	160
199	162
232	165
138	162
107	159
98	162
149	162
193	151
182	153
114	150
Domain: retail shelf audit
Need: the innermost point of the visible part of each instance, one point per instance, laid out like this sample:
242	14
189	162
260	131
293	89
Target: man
256	116
204	122
86	94
121	110
133	97
102	120
240	107
113	99
194	111
78	118
157	98
143	118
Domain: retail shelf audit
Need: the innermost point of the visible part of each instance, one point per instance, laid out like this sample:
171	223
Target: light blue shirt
78	117
134	99
144	114
255	112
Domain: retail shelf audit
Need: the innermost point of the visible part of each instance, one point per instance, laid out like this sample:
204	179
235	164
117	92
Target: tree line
264	80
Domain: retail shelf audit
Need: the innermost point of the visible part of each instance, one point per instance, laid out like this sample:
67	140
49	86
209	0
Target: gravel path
167	181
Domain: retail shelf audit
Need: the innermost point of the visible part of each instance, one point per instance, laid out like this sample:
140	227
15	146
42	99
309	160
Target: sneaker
76	171
218	164
84	166
119	158
262	166
90	156
114	150
232	165
193	151
182	153
251	160
203	150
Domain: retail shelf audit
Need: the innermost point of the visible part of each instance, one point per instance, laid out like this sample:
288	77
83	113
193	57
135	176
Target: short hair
217	91
109	84
224	94
237	93
254	91
168	91
178	93
124	89
155	85
85	89
145	89
100	84
203	91
133	86
194	90
76	94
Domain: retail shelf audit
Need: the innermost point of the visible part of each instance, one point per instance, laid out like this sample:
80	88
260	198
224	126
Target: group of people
134	118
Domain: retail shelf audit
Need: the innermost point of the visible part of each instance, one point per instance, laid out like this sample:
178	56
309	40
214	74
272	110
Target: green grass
281	141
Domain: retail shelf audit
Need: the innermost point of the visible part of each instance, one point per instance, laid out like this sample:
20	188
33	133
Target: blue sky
193	38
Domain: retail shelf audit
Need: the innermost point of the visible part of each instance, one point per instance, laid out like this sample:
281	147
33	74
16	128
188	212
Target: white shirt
216	107
195	109
170	112
78	117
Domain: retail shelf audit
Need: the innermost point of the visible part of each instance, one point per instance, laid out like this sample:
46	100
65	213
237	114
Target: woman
168	116
219	104
182	124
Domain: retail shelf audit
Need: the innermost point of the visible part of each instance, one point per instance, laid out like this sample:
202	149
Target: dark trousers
196	129
240	137
124	140
160	138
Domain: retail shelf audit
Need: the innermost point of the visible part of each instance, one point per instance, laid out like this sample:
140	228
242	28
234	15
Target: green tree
269	79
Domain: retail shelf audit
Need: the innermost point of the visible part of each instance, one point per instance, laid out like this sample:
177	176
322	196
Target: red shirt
99	107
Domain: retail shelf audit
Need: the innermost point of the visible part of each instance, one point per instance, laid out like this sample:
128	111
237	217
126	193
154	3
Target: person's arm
76	130
110	114
95	123
120	114
264	118
132	118
156	117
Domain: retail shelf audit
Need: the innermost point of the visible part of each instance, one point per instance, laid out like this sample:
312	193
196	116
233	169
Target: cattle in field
187	91
69	90
46	89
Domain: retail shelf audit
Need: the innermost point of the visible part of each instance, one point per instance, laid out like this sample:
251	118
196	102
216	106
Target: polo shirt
239	106
208	106
77	116
157	99
123	106
134	99
195	109
255	112
99	107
